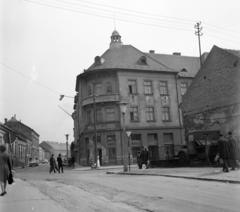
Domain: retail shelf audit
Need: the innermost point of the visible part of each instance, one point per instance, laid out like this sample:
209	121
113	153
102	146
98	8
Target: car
34	163
45	161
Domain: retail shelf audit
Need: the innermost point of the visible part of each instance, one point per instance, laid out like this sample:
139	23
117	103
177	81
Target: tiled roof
127	57
216	84
178	62
57	145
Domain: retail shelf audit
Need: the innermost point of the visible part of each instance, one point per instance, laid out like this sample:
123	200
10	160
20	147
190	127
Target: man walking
52	164
223	151
60	165
233	151
73	161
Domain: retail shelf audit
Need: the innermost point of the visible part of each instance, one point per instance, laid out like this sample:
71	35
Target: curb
175	176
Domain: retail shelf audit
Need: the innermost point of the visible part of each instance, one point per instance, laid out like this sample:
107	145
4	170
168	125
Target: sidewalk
203	173
24	197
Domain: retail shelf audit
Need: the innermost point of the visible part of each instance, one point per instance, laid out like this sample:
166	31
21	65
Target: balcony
101	99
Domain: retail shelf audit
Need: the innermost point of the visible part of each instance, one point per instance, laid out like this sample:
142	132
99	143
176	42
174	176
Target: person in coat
223	151
145	157
5	169
233	151
139	160
73	161
52	163
60	165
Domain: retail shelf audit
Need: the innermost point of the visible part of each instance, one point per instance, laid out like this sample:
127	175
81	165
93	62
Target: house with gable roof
152	85
212	101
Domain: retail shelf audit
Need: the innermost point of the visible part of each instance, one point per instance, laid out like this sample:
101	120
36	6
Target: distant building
28	132
213	99
152	85
55	148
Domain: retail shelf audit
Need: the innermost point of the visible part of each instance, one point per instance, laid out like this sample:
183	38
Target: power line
107	16
221	38
221	28
221	32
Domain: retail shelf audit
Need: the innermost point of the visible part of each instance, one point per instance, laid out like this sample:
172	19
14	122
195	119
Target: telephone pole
198	33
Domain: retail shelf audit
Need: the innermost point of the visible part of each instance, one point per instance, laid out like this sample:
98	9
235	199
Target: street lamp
129	160
123	107
67	147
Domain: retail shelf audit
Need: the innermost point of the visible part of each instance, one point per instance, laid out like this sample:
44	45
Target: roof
127	57
13	119
58	145
216	84
178	63
115	32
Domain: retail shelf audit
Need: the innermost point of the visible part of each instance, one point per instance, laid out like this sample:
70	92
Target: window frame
133	113
181	88
150	87
89	116
150	114
110	113
131	91
168	113
166	87
99	116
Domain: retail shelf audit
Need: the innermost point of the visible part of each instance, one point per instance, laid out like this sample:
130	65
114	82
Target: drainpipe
179	116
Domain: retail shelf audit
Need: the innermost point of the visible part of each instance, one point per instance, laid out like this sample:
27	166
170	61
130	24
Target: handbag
10	178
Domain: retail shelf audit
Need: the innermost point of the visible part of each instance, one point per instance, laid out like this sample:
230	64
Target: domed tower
115	40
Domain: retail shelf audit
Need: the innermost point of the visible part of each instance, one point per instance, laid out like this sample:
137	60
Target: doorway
100	156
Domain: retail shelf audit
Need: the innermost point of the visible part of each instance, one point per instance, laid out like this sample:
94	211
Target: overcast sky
45	44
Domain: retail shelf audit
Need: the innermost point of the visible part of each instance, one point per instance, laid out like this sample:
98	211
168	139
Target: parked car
34	163
45	161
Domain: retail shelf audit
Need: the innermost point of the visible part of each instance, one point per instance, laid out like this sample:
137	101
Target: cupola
115	40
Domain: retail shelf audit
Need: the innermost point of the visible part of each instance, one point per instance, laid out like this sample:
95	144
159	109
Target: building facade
151	84
212	101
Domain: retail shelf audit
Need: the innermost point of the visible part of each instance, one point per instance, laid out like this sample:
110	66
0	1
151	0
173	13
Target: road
94	190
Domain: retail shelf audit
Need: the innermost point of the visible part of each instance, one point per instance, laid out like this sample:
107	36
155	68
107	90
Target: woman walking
5	169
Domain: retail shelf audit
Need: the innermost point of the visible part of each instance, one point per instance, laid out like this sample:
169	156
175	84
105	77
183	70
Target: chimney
5	121
177	53
152	51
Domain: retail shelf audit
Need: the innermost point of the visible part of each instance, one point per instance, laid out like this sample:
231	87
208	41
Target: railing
100	99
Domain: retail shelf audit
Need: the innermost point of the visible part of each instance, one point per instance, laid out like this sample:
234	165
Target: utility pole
95	130
198	33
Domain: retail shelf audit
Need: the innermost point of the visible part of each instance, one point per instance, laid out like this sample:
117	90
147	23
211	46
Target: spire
115	40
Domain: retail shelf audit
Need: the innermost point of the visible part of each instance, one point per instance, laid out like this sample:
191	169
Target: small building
212	101
55	148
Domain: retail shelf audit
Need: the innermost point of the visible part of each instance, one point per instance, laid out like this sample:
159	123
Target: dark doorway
153	152
100	156
87	156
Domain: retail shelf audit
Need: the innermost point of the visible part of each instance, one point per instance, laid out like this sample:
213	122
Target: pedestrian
223	151
60	165
145	157
139	160
52	164
233	151
5	169
73	161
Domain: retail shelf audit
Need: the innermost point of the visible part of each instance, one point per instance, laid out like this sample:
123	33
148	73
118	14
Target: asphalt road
94	190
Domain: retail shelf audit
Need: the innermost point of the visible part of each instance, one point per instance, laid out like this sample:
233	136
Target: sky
45	44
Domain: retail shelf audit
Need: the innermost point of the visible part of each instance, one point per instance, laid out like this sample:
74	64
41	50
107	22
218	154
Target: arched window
89	90
142	61
109	88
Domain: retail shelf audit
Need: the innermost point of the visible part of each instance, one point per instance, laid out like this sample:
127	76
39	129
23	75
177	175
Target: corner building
152	84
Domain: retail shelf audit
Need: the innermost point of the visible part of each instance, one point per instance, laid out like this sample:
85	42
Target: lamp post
95	130
129	160
123	107
67	147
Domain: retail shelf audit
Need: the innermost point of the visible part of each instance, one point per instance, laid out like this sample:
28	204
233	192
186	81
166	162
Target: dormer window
184	70
142	61
97	60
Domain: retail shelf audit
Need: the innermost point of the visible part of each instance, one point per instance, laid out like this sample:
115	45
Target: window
89	117
133	113
152	137
148	87
150	114
168	138
112	153
135	137
183	88
98	139
110	112
98	88
142	60
165	114
89	90
99	115
111	139
132	85
109	88
163	88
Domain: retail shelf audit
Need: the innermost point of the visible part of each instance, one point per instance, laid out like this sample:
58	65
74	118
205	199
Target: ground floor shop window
135	151
153	152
